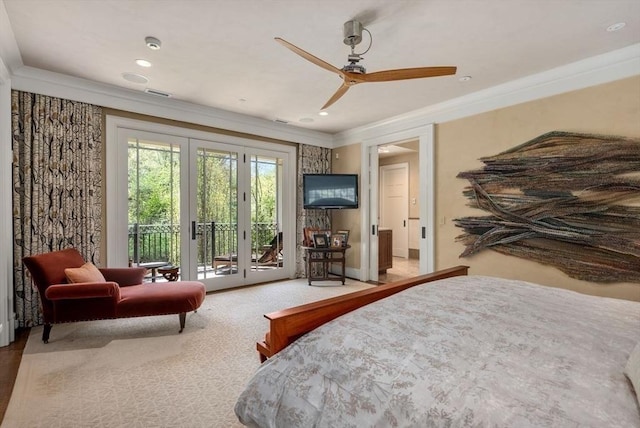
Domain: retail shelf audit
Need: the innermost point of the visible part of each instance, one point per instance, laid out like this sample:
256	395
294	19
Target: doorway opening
419	222
398	184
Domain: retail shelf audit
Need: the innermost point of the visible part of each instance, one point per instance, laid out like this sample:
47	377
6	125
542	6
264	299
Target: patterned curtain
57	179
311	160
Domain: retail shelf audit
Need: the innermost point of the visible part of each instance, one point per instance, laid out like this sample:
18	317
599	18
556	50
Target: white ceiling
218	53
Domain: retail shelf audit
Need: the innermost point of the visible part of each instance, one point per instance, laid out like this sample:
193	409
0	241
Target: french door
217	210
237	235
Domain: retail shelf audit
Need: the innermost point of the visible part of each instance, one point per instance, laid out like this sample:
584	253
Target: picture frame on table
320	240
337	240
345	233
327	232
308	236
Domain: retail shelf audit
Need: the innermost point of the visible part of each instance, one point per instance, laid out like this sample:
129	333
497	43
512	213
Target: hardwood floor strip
10	357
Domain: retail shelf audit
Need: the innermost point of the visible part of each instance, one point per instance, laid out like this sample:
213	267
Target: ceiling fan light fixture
324	113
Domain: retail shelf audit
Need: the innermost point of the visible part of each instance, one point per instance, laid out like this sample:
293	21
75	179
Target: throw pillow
632	370
86	273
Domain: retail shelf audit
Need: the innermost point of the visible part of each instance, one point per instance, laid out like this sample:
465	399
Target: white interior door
394	205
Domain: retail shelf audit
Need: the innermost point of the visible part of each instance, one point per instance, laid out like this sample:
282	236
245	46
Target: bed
461	351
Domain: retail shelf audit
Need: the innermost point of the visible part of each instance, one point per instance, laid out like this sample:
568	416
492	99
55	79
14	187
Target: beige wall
612	108
346	160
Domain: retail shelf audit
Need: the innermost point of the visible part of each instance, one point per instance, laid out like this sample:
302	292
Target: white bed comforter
468	351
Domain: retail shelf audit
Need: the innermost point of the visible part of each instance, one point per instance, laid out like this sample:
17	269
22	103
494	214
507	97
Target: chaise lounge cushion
160	298
85	273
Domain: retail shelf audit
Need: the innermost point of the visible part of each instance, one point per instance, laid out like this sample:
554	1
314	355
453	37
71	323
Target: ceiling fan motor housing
352	67
352	33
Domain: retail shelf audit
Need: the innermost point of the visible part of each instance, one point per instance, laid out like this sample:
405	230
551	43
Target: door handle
404	223
193	230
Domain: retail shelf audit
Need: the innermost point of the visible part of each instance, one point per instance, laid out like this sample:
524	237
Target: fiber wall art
563	199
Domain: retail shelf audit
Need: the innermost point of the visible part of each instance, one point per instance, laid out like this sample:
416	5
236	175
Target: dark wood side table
325	257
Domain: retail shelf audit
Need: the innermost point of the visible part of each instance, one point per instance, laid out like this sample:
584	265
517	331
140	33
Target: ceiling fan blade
339	93
407	73
306	55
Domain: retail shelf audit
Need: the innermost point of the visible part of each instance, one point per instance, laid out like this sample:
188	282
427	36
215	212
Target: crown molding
611	66
608	67
63	86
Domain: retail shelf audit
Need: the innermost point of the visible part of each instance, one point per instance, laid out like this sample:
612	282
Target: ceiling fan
354	73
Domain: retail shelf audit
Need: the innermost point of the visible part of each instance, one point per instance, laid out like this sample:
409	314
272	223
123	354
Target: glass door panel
216	213
267	243
216	251
153	205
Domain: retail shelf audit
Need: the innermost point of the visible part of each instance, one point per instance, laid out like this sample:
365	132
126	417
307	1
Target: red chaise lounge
122	294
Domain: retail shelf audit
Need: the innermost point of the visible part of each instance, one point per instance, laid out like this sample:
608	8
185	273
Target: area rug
140	372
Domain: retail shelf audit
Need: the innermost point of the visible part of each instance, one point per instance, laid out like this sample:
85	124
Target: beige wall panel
346	160
610	109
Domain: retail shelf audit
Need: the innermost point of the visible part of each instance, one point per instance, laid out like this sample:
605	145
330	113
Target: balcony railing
161	242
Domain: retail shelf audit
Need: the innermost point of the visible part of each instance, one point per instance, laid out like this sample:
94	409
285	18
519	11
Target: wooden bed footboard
287	325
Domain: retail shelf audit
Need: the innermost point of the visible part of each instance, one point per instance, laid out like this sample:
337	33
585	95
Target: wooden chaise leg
183	318
45	333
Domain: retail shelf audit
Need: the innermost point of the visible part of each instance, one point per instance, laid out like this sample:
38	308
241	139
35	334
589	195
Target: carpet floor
140	372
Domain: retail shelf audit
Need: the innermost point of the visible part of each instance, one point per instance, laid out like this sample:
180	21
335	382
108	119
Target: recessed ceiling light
324	113
143	63
306	120
615	27
153	43
135	78
464	78
242	100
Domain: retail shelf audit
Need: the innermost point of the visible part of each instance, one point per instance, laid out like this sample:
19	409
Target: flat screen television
330	191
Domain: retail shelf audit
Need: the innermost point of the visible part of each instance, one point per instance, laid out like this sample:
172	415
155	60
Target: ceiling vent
157	93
